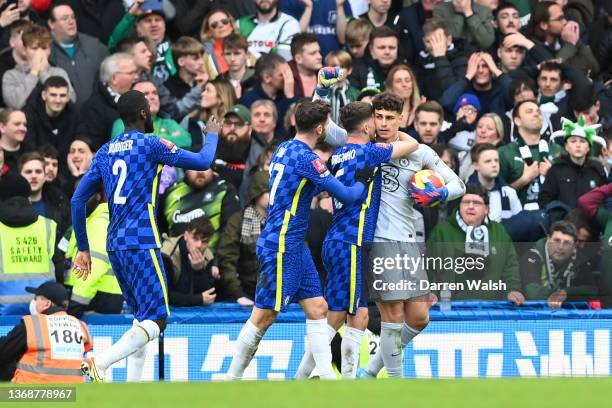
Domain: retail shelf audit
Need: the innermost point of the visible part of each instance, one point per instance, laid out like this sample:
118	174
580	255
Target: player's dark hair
201	226
55	82
388	101
267	63
310	114
354	114
517	108
300	40
48	151
564	227
479	148
130	105
478	190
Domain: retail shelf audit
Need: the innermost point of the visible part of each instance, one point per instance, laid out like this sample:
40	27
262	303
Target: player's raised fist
330	76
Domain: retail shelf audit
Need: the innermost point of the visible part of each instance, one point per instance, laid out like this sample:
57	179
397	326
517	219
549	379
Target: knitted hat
13	185
467	99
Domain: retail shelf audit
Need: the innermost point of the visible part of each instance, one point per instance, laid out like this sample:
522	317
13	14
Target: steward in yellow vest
48	345
27	246
100	292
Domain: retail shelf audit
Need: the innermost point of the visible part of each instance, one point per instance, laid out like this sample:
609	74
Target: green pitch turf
469	393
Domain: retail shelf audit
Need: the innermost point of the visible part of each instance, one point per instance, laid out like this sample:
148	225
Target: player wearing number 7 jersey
130	166
287	270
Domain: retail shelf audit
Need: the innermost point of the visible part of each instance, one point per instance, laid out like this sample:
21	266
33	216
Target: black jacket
97	18
59	131
57	206
566	181
437	74
97	116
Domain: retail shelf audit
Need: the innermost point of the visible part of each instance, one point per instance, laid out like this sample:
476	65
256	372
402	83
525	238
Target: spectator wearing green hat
234	143
575	173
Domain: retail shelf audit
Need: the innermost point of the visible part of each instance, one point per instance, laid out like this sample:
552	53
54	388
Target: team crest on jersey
320	167
171	146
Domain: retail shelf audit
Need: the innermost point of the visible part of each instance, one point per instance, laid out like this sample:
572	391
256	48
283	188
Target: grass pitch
469	393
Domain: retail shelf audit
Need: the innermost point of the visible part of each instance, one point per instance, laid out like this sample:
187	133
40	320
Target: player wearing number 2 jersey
129	166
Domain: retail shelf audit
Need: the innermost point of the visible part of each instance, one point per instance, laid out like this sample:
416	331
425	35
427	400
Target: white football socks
134	339
391	348
307	364
245	348
351	348
135	364
318	340
376	362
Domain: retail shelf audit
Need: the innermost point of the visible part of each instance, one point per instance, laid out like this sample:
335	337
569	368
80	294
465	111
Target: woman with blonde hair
217	97
489	129
401	81
217	25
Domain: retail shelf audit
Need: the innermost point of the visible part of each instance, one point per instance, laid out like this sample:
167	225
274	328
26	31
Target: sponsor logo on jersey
342	157
179	218
171	146
383	145
118	147
320	167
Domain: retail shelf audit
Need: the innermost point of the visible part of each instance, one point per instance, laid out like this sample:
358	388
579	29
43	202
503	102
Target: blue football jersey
129	166
355	223
296	175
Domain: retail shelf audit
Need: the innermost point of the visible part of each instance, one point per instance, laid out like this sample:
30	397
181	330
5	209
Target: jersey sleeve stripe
353	282
279	282
160	276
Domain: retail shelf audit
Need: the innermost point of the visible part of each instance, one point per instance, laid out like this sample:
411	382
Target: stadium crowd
515	97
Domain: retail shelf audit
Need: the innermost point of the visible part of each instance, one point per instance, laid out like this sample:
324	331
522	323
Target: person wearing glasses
484	262
216	26
118	72
554	269
562	38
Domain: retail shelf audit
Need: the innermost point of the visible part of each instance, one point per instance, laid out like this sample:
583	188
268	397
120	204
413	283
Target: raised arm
405	145
87	187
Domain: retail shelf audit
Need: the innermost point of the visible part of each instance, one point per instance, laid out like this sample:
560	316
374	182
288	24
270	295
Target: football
420	178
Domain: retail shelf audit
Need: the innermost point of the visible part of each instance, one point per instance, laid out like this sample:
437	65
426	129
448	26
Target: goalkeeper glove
428	196
328	77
